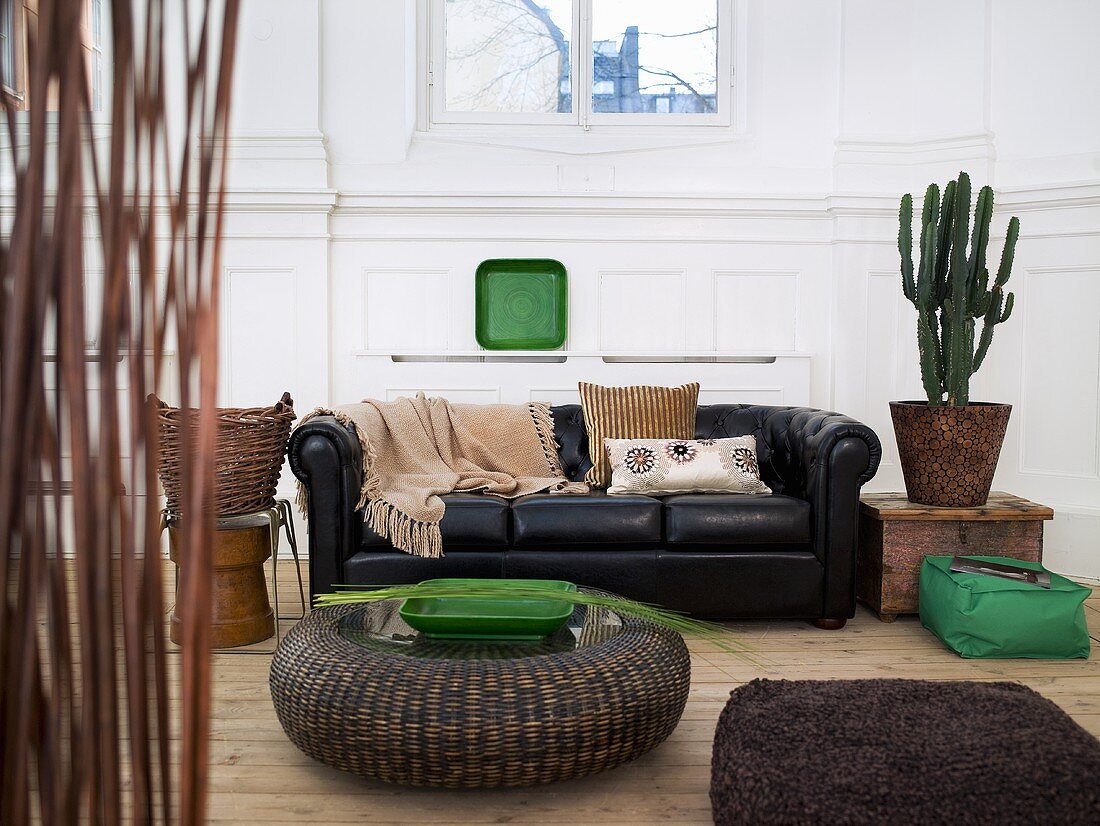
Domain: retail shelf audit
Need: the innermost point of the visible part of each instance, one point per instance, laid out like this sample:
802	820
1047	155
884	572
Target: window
18	23
96	49
7	44
579	62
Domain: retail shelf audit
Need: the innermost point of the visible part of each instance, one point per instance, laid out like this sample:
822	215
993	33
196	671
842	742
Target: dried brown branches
109	245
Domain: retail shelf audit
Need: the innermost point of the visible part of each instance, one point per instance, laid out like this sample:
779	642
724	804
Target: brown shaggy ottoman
900	752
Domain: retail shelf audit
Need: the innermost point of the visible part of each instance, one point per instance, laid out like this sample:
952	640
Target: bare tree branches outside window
508	56
647	56
655	57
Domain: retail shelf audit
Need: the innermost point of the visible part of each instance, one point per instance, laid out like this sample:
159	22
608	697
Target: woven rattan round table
358	689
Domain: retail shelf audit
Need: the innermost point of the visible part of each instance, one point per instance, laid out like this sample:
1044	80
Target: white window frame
10	51
96	26
580	81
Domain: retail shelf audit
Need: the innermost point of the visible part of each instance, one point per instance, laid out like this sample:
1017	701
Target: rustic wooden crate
895	535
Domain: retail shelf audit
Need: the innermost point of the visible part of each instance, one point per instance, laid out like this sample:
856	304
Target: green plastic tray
488	618
521	304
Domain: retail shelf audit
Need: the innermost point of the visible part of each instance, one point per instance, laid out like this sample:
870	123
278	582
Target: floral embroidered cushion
659	466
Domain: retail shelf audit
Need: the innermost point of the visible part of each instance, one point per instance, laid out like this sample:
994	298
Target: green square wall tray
521	304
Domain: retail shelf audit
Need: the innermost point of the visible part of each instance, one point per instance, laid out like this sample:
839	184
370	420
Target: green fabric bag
984	616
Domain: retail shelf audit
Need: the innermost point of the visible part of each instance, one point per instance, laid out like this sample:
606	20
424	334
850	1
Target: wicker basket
247	460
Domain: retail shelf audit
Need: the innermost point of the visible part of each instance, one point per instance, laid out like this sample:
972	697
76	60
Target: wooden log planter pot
949	454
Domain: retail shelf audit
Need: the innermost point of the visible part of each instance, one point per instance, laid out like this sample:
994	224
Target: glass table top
379	627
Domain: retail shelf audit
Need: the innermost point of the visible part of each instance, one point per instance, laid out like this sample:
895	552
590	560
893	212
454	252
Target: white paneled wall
1059	308
250	294
695	310
355	233
644	311
756	311
488	379
406	309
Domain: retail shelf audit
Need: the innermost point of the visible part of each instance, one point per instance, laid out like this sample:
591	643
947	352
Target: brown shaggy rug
900	752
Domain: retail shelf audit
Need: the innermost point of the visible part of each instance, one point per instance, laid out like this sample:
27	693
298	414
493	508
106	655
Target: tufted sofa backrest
779	467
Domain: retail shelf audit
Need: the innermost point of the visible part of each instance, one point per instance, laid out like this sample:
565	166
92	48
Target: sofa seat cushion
471	520
736	519
548	520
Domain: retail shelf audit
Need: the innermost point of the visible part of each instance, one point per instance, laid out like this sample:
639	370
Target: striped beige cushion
639	412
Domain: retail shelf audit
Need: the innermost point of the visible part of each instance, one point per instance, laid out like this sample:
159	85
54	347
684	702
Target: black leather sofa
788	554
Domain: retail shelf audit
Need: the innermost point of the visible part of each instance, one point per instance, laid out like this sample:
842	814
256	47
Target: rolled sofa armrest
835	456
328	460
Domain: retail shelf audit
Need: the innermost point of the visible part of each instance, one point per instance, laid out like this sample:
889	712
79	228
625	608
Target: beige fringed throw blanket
415	450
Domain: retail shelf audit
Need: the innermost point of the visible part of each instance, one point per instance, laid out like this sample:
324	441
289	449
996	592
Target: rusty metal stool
242	614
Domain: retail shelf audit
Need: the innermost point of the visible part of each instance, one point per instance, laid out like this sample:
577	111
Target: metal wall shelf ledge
562	356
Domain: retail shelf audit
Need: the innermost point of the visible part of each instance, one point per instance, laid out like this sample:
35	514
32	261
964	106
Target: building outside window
579	62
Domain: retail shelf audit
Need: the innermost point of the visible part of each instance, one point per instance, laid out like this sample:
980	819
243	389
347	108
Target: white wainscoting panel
93	306
465	395
94	287
555	395
1061	308
1069	542
784	381
742	395
756	311
643	311
893	369
259	334
405	309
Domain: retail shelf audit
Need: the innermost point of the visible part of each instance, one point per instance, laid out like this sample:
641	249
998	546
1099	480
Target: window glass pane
97	55
508	55
7	43
655	56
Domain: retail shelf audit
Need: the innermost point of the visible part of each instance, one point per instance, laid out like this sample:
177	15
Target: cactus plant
951	289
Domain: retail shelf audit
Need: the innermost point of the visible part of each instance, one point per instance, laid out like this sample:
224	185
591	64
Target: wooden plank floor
258	776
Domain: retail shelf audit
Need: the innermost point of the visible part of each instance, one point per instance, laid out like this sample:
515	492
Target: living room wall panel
1044	84
1060	314
1048	365
406	309
756	311
462	393
273	293
487	379
744	394
368	98
654	307
644	311
255	376
275	132
890	323
274	302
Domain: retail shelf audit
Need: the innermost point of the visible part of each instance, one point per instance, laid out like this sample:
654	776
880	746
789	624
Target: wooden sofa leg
829	624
